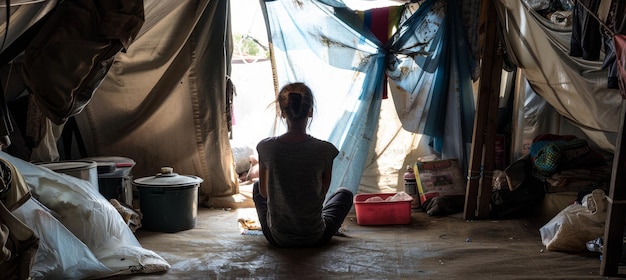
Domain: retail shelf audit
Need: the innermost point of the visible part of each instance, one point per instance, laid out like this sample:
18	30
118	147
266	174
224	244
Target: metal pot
82	169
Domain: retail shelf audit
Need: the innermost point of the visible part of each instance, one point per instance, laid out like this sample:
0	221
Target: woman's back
295	189
295	170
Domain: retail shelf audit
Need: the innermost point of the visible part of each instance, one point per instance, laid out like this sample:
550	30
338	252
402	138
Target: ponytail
295	101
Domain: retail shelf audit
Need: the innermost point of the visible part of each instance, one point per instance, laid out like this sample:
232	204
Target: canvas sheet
164	101
576	88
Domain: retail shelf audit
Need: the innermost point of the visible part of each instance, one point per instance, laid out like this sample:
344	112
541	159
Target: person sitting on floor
294	177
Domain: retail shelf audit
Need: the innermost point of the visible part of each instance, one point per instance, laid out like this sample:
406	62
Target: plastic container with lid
115	177
168	201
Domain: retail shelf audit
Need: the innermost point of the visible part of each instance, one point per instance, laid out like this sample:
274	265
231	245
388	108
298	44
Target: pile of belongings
555	163
55	226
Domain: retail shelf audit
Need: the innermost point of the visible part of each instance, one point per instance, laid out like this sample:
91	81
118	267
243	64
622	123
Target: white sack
90	218
574	226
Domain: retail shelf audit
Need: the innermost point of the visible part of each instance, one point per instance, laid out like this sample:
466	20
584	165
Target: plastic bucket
168	201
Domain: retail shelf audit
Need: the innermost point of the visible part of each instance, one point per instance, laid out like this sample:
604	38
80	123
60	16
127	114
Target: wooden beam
614	228
486	186
477	195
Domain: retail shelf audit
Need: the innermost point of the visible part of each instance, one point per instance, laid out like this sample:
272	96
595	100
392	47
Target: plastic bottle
410	186
410	183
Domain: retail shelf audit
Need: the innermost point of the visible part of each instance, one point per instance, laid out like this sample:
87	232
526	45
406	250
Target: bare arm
263	174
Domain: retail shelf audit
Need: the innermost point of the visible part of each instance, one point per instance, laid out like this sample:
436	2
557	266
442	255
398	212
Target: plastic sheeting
575	88
324	46
314	46
81	234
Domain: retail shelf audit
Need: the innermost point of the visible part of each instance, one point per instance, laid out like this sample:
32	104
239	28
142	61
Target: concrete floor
427	248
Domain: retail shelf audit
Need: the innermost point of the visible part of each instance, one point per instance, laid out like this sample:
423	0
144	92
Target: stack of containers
115	177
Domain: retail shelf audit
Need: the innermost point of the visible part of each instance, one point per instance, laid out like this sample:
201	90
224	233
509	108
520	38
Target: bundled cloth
577	179
552	153
561	18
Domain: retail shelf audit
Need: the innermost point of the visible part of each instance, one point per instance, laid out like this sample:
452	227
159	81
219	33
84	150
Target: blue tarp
427	59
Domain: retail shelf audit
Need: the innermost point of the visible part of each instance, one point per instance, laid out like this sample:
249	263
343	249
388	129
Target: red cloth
377	20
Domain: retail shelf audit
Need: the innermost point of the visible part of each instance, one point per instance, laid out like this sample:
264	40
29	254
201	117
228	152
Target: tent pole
270	47
614	228
477	196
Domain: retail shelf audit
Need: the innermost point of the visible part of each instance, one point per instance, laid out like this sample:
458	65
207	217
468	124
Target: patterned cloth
550	155
553	153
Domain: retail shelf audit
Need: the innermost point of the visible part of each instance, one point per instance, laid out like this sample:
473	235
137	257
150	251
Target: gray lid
167	178
70	165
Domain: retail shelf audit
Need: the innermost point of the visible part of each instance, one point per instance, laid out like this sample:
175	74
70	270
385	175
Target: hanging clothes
590	35
586	40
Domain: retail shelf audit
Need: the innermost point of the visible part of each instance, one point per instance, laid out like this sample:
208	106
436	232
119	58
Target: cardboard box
439	178
381	212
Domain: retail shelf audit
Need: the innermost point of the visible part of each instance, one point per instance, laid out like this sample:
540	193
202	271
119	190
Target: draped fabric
382	22
433	45
164	101
576	88
427	59
343	68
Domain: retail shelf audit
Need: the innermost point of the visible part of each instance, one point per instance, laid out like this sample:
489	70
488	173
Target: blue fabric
433	44
326	47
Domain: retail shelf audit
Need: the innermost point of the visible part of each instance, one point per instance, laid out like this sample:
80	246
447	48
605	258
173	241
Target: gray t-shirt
295	195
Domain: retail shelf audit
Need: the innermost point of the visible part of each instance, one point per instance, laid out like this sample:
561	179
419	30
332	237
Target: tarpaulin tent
162	102
348	65
165	98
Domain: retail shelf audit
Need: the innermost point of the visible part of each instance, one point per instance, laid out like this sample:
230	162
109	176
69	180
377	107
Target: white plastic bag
61	254
574	226
80	217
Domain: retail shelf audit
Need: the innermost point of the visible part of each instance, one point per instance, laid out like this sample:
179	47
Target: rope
471	175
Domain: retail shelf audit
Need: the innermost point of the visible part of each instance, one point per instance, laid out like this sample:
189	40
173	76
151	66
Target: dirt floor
428	248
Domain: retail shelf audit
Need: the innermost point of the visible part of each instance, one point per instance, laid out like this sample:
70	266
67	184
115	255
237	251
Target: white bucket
82	169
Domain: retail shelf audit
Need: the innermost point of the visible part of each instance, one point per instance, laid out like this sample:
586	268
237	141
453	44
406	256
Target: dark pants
335	210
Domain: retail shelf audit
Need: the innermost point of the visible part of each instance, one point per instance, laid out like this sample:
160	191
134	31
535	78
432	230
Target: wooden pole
614	227
477	195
